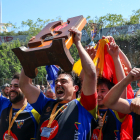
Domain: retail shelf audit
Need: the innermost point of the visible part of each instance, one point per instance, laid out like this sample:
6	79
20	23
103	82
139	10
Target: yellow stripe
36	115
117	115
93	112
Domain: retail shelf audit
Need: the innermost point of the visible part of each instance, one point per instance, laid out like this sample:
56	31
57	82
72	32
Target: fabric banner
51	75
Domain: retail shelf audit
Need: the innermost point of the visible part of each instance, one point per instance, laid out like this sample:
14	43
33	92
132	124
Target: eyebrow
14	84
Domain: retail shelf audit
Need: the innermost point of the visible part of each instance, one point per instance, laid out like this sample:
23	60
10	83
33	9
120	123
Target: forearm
115	92
120	74
89	80
29	90
87	63
125	60
23	79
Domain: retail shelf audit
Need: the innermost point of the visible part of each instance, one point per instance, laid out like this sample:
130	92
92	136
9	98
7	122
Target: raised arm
92	53
125	60
89	80
123	57
113	101
113	50
30	91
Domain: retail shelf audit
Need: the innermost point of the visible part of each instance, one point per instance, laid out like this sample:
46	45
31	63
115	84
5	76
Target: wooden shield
50	47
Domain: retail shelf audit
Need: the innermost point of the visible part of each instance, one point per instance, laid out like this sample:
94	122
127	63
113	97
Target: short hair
5	85
103	80
16	76
75	78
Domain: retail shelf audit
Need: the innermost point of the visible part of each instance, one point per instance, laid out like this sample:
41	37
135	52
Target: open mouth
60	92
13	94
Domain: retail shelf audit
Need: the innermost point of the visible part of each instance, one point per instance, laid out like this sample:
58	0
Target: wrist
77	43
115	58
138	96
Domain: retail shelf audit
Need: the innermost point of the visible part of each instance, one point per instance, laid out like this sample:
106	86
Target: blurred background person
5	90
49	93
38	86
42	88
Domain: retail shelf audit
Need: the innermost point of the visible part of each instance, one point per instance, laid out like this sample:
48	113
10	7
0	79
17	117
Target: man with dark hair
112	120
76	80
66	118
5	90
113	100
103	86
18	118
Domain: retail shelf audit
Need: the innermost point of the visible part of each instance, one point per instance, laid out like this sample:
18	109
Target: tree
112	20
134	18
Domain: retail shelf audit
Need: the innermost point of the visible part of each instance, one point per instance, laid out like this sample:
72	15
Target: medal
8	137
11	121
46	132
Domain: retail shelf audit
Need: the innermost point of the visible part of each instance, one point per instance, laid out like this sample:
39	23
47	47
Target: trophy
50	47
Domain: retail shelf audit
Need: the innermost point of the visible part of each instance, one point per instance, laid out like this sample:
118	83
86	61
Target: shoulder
41	103
4	101
33	112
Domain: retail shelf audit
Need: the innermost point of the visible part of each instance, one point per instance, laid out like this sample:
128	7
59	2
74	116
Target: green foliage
130	44
74	52
112	20
134	18
9	64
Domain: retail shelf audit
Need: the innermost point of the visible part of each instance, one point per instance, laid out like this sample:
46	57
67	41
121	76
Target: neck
19	104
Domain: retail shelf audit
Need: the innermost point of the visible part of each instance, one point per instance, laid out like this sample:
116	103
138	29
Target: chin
101	106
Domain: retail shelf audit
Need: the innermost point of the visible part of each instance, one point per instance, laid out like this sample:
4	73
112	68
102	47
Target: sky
16	11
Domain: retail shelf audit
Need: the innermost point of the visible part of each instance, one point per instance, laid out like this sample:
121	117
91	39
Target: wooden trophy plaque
50	47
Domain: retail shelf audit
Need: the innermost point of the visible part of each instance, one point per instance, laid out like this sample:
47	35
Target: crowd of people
89	106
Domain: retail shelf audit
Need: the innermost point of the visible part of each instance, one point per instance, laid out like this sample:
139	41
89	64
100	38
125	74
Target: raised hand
77	34
91	51
110	38
113	50
134	74
100	122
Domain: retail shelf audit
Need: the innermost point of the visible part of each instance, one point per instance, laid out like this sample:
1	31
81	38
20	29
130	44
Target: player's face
64	88
15	94
102	90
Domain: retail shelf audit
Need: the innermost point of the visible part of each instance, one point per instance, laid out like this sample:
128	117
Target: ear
76	88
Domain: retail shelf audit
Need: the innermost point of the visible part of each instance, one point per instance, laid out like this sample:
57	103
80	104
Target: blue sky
16	11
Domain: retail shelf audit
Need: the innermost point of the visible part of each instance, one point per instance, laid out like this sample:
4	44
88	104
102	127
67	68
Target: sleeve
89	103
129	100
40	103
4	102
